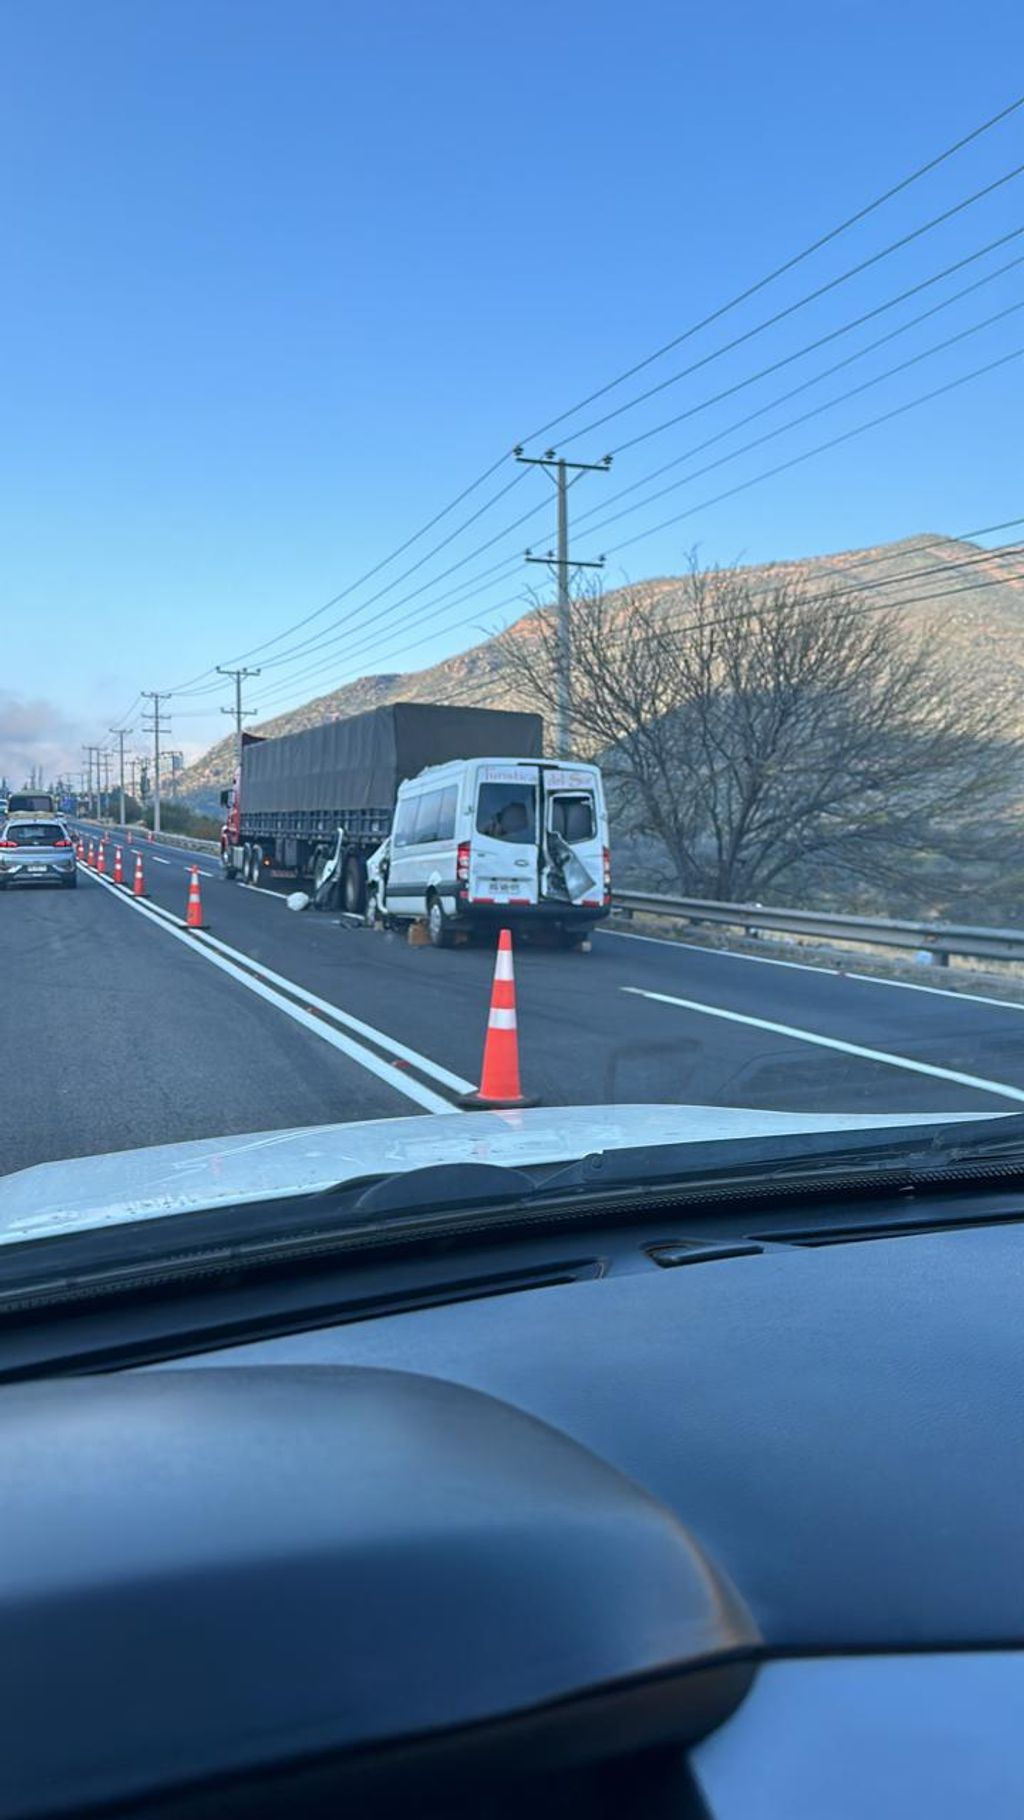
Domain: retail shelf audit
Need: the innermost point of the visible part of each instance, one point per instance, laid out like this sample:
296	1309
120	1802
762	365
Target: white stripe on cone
501	1020
503	965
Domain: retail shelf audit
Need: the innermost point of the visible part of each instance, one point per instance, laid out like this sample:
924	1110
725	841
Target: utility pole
132	764
93	752
564	571
105	755
121	734
237	712
156	725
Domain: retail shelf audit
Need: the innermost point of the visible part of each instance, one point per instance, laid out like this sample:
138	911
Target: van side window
405	821
427	817
446	813
507	812
573	817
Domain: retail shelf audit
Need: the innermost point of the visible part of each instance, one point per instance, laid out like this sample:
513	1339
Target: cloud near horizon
36	732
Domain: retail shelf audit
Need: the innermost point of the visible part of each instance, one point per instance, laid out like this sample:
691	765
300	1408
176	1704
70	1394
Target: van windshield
507	812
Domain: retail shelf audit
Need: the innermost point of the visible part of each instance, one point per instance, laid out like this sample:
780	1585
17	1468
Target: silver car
36	850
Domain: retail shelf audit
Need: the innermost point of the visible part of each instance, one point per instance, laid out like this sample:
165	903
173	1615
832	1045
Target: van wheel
353	885
438	926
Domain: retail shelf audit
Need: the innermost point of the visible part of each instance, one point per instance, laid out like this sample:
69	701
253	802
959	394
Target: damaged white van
481	842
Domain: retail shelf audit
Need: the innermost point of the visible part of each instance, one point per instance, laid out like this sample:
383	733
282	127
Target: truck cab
510	841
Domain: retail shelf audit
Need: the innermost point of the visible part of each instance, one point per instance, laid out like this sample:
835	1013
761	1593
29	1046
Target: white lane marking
832	1042
385	1071
966	996
262	889
156	859
355	1024
827	968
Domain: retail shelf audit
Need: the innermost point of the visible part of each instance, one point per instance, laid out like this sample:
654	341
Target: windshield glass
441	681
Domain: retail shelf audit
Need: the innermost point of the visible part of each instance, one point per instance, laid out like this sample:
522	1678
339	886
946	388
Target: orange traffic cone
91	861
194	913
499	1083
101	864
138	888
118	868
80	849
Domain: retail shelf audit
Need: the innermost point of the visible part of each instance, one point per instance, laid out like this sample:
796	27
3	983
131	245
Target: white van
496	841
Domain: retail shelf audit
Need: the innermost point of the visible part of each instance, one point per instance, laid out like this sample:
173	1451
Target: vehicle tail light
462	865
8	843
63	843
607	858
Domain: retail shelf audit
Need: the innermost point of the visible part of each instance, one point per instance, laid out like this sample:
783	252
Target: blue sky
281	279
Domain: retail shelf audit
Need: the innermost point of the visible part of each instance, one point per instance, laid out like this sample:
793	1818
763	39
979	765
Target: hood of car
131	1185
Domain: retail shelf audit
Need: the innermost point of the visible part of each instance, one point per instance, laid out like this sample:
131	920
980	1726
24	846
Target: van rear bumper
549	910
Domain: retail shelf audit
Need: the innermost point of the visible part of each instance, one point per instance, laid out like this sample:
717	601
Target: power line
791	309
323	643
678	618
731	304
811	347
477	690
516	600
454	598
779	271
820	448
369	574
793	423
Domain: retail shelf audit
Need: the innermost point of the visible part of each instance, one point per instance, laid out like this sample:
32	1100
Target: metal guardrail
938	939
146	834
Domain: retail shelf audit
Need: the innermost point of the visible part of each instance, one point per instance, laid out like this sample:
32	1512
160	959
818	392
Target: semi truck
313	806
343	809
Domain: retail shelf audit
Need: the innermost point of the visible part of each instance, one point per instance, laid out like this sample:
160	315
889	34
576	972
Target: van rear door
572	864
504	859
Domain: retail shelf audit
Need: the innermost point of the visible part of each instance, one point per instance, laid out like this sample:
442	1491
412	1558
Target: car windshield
514	632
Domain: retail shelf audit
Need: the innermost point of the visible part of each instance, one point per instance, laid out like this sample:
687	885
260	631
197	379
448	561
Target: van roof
502	758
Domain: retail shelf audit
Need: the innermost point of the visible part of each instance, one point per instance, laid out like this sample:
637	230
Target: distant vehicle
495	841
31	802
36	852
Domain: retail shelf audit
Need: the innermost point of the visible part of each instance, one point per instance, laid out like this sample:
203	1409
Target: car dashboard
690	1523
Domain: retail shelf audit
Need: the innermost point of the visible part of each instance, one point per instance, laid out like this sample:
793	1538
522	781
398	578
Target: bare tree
763	737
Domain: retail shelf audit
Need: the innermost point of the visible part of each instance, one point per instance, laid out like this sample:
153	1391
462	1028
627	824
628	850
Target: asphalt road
122	1030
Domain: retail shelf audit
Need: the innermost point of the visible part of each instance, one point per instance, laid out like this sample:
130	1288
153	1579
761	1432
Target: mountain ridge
980	628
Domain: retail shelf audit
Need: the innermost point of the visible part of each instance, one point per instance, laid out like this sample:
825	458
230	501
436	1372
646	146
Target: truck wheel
247	864
353	888
438	926
256	864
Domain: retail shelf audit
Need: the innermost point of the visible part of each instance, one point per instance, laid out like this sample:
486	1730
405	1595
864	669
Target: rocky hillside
978	630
